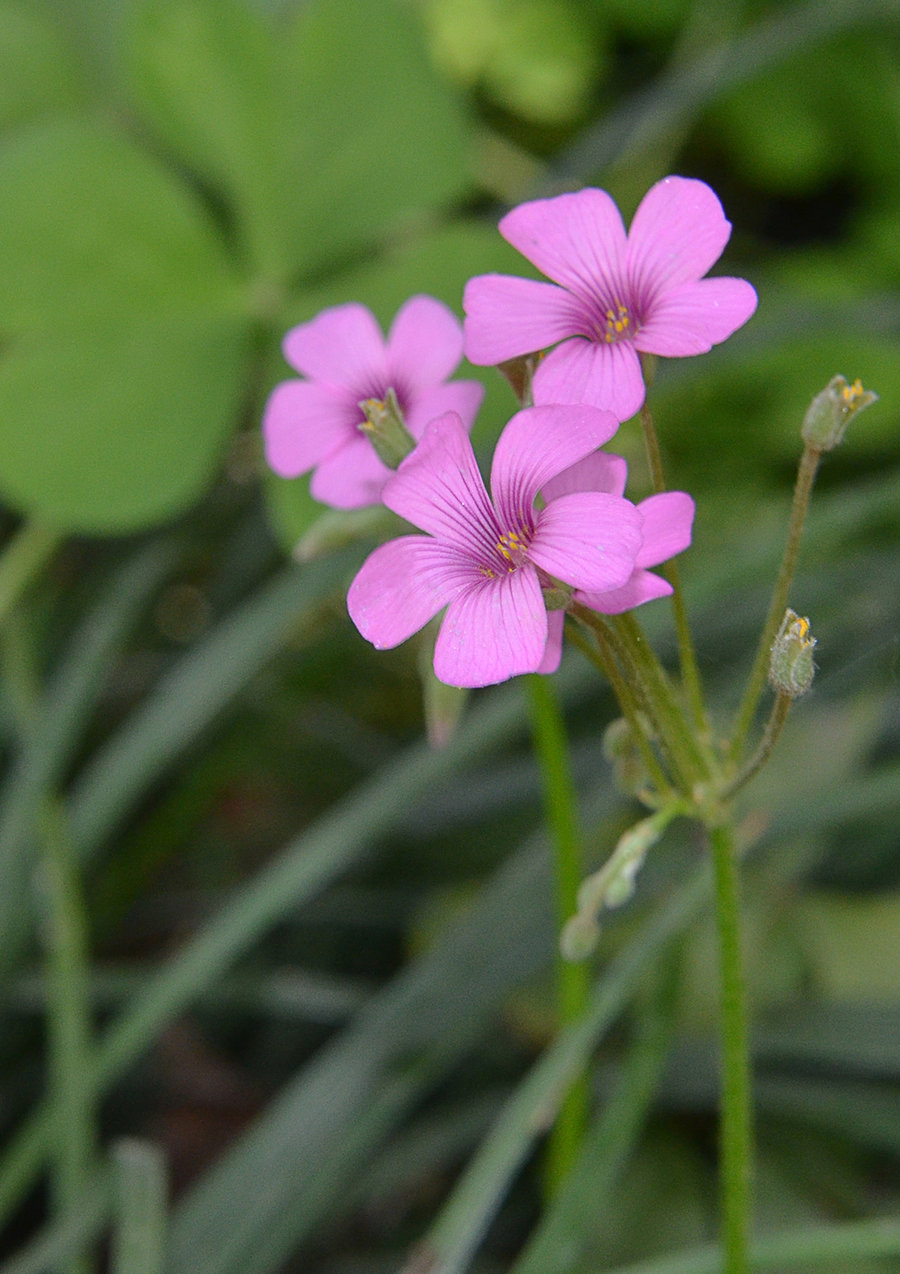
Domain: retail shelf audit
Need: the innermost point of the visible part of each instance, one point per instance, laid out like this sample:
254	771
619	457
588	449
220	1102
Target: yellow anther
852	393
618	320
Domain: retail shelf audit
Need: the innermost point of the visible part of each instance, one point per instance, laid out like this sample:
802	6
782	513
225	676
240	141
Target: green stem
69	1022
64	928
573	979
23	557
139	1236
735	1135
622	689
806	474
690	673
675	731
780	709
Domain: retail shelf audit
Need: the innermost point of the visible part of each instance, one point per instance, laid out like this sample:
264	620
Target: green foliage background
319	950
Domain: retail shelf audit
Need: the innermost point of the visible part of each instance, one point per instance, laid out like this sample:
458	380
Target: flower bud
520	373
579	936
443	705
791	667
831	411
621	749
557	596
385	428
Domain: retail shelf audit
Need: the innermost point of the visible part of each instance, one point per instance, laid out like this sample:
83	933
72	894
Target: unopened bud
386	429
831	411
520	373
557	596
443	705
621	749
579	936
791	667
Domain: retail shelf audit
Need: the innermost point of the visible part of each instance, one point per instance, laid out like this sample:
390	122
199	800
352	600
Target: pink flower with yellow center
613	296
488	560
315	423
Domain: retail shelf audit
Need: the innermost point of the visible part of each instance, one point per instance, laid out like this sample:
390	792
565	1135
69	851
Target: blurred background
270	966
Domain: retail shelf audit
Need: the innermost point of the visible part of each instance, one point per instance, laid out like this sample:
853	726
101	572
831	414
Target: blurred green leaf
374	139
204	75
93	229
116	429
39	75
125	343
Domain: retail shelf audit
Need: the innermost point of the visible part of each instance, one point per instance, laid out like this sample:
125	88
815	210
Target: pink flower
666	522
315	423
486	562
612	296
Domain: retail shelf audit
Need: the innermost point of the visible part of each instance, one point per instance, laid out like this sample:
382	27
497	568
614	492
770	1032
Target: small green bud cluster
385	428
831	411
791	667
611	886
621	750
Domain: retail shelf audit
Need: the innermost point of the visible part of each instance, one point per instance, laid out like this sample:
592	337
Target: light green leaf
116	429
374	138
93	229
38	77
203	73
122	338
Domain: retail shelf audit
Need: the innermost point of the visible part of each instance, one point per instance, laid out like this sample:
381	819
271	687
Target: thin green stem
602	655
69	1022
735	1131
675	730
775	724
806	475
139	1236
690	673
573	979
64	929
23	557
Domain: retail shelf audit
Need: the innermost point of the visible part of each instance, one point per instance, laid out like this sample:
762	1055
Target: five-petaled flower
488	561
666	523
613	295
316	423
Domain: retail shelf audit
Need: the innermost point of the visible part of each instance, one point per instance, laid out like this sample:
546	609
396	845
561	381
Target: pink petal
402	585
666	531
439	489
460	396
350	478
577	240
553	649
693	318
507	317
537	444
643	586
302	423
424	345
600	471
341	346
494	630
590	540
579	371
677	233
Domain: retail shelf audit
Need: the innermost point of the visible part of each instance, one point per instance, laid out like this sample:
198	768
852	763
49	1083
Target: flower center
618	324
513	549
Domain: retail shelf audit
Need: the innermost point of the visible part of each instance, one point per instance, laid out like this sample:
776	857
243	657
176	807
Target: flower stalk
572	980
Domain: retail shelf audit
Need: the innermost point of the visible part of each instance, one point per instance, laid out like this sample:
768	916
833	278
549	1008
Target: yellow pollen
617	322
509	543
852	393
